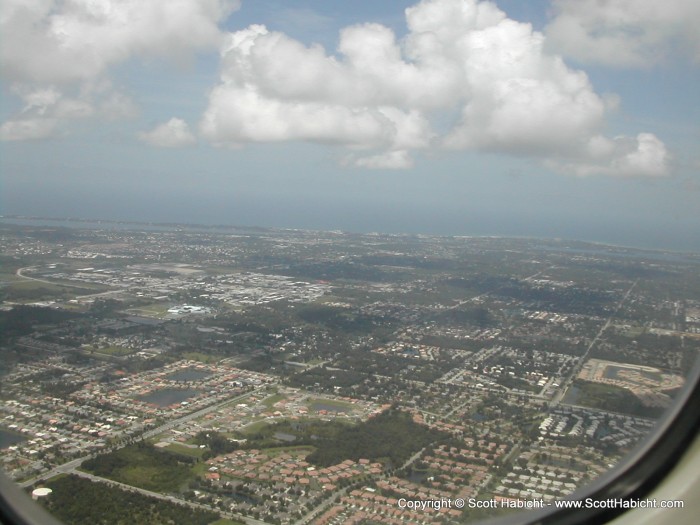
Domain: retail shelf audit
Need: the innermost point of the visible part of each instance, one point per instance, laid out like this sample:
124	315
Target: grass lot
27	291
329	402
115	350
202	358
634	331
611	397
255	427
200	469
76	501
186	451
9	277
226	521
89	287
75	307
270	401
143	466
276	451
158	310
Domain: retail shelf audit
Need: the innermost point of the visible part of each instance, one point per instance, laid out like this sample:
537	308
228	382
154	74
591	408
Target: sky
565	118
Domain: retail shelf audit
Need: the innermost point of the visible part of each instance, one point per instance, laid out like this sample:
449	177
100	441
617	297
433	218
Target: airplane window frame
635	477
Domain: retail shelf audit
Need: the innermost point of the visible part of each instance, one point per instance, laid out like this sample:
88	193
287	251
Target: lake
188	374
9	438
329	408
572	395
169	396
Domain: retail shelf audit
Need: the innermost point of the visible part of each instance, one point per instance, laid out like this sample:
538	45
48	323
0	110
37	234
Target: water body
283	436
9	438
329	408
614	252
572	395
89	224
680	239
169	396
418	476
189	374
245	498
611	372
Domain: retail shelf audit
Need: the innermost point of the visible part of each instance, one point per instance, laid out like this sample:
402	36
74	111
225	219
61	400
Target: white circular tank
41	493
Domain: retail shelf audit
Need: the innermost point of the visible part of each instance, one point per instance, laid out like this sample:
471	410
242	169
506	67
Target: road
172	499
199	413
576	369
20	273
486	294
325	505
71	466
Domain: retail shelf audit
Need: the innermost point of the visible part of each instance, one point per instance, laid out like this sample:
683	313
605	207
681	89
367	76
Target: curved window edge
17	508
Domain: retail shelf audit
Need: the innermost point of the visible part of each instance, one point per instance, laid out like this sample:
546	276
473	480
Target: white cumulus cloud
43	111
53	41
645	155
461	60
390	160
27	129
47	110
464	77
69	46
172	134
275	89
630	33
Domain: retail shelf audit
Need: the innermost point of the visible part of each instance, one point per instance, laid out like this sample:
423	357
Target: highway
576	369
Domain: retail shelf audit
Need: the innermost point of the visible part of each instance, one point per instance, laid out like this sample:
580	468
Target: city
249	375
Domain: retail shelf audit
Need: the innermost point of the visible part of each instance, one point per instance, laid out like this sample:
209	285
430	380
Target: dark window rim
635	477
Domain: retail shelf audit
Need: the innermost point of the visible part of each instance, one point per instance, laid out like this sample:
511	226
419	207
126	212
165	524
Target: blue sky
574	119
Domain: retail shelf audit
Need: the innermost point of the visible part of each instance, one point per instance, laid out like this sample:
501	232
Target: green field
76	501
115	350
23	289
255	427
611	397
329	402
144	466
270	401
276	451
158	310
631	331
391	436
91	288
27	291
201	357
177	448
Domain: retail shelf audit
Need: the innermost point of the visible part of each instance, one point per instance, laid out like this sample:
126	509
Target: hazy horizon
618	238
453	117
